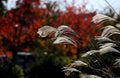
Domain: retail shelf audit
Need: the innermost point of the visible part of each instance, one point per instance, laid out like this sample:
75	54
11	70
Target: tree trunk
14	54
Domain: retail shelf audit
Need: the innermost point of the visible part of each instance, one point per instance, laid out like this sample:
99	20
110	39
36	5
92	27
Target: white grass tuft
69	70
108	45
88	53
109	30
107	50
64	39
101	18
101	39
46	30
117	62
62	30
78	63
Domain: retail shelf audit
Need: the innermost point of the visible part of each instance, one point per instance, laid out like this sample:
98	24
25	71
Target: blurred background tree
19	26
20	30
2	8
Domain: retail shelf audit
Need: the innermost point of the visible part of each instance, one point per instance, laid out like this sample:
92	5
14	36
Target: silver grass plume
46	30
108	45
101	18
89	53
109	30
118	26
108	50
101	51
69	70
59	34
101	39
64	39
78	63
117	62
62	29
89	76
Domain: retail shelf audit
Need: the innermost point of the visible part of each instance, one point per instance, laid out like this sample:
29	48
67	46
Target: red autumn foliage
80	21
18	26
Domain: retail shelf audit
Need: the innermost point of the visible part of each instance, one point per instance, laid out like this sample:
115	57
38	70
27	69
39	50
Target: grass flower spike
101	18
